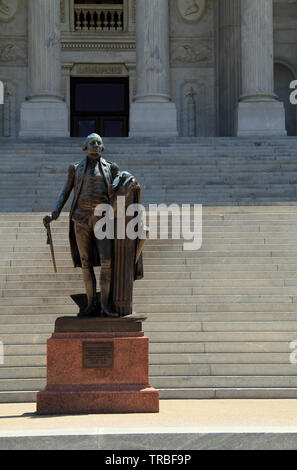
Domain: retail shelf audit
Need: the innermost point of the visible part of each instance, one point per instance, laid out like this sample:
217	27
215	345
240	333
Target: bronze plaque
98	355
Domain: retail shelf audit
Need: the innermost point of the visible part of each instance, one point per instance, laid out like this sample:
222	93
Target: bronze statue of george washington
96	181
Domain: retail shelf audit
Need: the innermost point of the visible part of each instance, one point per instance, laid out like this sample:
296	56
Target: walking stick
49	241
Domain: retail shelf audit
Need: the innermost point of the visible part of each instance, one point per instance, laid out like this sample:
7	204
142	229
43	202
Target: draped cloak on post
125	269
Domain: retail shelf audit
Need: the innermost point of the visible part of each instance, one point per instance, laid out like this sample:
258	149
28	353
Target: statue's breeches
86	239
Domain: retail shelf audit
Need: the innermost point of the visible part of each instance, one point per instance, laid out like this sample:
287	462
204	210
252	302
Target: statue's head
93	145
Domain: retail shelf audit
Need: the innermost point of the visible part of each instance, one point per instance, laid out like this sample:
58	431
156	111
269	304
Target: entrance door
100	105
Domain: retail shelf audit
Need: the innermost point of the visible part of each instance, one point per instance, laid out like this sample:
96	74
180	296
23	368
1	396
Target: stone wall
13	62
192	61
195	52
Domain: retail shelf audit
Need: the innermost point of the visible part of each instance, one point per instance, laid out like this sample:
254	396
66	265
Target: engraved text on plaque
98	355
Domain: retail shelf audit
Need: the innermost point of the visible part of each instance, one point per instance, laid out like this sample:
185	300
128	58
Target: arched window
1	93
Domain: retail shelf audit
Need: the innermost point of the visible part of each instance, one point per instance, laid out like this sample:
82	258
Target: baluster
85	21
108	20
112	21
102	19
92	21
96	20
78	19
116	20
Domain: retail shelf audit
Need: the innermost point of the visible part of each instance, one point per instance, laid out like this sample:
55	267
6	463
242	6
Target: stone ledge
153	439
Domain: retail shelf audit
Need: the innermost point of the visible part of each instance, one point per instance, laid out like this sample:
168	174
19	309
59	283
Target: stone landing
98	365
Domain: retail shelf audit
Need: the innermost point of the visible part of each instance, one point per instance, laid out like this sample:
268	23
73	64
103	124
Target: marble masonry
192	67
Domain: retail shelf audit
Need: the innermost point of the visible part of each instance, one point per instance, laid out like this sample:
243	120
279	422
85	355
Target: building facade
148	67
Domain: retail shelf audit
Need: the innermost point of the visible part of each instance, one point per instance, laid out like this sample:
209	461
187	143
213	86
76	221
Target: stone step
183	359
204	278
22	385
217	359
223	381
152	327
229	347
184	371
171	337
186	294
243	307
18	397
228	393
159	284
48	316
253	371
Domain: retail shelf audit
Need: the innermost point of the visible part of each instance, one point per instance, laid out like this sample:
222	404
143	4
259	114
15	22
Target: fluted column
259	112
44	112
229	64
152	111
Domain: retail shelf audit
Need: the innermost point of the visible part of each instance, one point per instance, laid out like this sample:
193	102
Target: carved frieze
191	53
95	70
8	9
191	11
13	51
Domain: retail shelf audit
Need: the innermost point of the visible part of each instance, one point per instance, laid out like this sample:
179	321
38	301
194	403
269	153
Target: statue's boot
105	284
90	287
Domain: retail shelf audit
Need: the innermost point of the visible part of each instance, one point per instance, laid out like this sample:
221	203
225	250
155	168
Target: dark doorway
282	79
100	105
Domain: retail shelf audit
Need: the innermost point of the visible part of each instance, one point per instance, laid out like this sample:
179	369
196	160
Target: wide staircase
220	319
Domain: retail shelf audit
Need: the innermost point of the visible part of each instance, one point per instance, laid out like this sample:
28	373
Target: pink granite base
137	400
121	386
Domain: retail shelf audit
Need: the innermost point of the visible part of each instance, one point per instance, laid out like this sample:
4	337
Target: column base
153	119
261	118
44	119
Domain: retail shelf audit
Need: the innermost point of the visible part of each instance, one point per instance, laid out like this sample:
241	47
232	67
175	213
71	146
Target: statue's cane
49	241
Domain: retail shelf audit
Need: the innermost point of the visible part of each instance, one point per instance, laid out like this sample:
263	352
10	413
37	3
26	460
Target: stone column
152	112
44	113
229	44
259	111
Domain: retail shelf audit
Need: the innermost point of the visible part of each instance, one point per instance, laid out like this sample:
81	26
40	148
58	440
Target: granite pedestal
97	366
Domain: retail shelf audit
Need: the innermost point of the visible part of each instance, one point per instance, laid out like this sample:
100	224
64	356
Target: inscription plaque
98	355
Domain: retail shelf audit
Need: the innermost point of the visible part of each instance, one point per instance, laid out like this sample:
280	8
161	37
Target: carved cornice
95	43
98	46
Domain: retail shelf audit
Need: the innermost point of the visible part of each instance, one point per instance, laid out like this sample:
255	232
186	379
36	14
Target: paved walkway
181	424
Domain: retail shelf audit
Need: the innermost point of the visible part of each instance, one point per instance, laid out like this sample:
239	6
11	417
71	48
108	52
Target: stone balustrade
91	17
